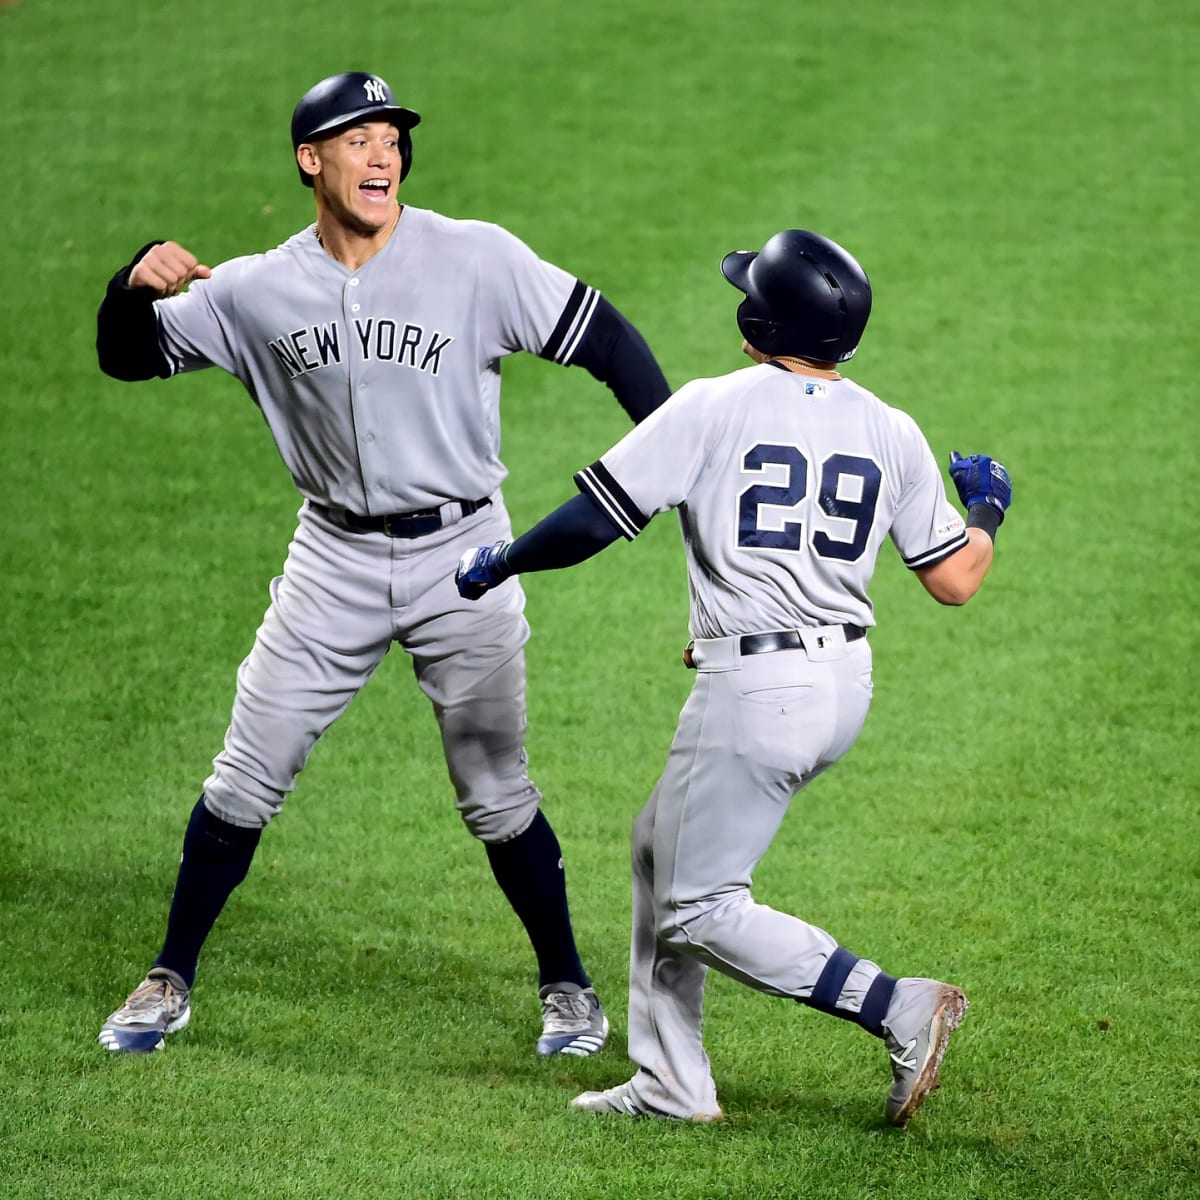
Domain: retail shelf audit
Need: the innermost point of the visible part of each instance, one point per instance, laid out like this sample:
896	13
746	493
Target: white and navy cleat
573	1022
157	1006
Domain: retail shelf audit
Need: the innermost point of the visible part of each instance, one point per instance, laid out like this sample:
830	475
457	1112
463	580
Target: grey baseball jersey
381	385
787	485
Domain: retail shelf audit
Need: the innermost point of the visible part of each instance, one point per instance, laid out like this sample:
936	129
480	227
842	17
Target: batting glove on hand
480	569
981	480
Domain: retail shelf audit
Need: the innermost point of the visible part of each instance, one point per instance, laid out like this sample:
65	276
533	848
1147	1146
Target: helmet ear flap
405	148
759	332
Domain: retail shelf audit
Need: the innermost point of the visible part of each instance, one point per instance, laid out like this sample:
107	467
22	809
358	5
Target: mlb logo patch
812	388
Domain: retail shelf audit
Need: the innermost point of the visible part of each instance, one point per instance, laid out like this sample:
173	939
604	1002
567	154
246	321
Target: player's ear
308	158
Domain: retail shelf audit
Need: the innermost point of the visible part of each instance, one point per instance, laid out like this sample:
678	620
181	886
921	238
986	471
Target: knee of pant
251	809
688	924
493	817
485	755
672	929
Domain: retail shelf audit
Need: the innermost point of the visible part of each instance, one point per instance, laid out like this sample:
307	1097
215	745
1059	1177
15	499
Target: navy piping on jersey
597	482
929	557
572	325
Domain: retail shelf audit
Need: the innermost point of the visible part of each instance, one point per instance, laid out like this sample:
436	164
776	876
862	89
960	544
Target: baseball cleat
620	1099
157	1006
572	1021
920	1019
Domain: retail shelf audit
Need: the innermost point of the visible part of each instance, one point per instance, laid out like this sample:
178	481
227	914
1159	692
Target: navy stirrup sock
216	858
530	873
828	989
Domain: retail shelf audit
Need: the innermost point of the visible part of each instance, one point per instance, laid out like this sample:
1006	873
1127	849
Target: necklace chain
806	366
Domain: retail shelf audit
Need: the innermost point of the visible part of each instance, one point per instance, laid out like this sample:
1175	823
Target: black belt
787	639
781	639
400	525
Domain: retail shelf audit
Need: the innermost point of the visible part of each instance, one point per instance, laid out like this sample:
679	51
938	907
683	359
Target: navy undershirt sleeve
617	355
573	532
127	345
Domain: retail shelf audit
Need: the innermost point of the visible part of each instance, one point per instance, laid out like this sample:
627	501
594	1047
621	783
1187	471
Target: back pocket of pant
776	726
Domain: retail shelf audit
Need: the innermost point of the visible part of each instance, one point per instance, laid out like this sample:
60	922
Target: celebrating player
372	342
787	477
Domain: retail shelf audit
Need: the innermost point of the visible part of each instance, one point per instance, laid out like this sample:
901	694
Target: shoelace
566	1008
150	994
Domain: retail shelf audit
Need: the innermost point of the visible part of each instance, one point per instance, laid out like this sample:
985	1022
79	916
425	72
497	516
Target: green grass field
1020	814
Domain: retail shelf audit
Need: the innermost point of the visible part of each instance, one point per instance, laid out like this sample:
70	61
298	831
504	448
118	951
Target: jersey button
370	437
355	307
354	283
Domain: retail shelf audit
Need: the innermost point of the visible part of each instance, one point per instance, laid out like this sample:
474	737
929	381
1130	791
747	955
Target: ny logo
375	90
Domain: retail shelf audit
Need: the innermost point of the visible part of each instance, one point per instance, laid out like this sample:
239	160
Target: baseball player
372	341
787	477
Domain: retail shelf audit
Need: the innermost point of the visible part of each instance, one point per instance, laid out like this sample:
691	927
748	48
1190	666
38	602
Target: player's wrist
982	514
500	568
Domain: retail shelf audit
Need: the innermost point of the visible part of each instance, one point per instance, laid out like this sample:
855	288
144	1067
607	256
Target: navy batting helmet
344	100
805	295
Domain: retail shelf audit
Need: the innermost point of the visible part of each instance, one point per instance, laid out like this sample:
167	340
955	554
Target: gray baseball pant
754	731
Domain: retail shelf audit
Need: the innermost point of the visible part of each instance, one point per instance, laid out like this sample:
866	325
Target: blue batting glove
481	569
981	480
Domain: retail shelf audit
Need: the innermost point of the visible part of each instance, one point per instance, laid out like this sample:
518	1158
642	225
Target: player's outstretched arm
573	532
986	491
127	345
615	353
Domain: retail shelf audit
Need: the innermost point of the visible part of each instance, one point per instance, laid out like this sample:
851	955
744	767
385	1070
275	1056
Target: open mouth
376	190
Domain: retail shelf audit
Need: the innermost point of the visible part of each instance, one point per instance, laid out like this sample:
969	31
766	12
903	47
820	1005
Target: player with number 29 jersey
787	477
813	474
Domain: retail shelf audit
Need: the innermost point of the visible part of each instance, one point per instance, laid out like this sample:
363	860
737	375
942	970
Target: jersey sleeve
533	305
196	329
926	527
653	467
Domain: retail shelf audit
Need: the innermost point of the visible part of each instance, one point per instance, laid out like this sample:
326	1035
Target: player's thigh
321	638
747	741
464	650
476	683
467	652
328	625
714	811
471	664
296	667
